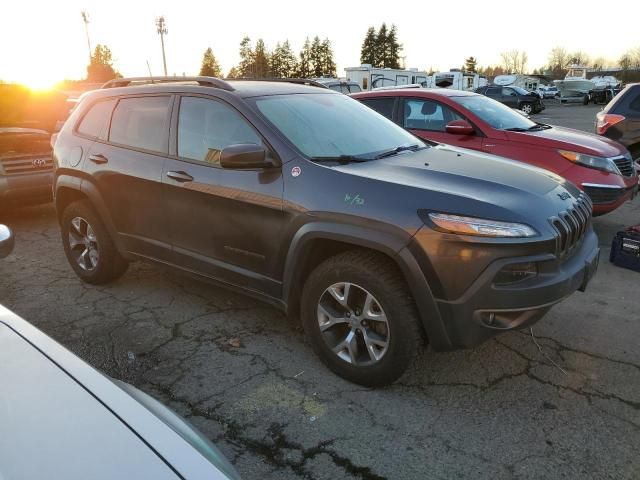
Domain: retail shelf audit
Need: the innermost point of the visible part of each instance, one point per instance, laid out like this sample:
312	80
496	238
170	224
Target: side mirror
245	155
6	241
459	127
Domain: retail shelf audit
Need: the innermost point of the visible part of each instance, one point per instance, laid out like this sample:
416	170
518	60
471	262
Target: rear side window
384	106
494	91
206	127
95	123
141	122
427	115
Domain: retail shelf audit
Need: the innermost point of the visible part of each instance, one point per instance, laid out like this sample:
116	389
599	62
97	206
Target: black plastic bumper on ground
486	309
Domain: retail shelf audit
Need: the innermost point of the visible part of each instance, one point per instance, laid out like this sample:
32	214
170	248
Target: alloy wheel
83	244
526	108
353	324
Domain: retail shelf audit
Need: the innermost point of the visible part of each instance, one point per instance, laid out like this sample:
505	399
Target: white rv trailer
457	80
525	81
369	77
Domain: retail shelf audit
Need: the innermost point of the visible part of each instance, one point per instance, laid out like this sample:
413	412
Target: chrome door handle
180	176
99	159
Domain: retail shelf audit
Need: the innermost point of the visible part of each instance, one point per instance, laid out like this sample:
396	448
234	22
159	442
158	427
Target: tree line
381	49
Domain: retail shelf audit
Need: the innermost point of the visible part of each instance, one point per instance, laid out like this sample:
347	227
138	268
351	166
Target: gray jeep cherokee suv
315	203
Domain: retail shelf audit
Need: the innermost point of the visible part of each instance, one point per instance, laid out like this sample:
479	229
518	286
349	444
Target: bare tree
515	61
601	63
579	58
559	60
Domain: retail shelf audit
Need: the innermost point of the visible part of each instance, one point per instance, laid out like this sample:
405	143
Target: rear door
428	119
126	168
224	223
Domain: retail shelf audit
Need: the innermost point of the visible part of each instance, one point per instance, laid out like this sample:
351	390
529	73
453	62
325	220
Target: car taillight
606	120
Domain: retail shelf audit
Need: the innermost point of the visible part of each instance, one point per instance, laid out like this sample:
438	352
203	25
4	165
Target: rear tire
88	246
360	318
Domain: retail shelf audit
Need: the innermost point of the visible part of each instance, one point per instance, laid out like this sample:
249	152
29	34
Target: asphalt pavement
564	403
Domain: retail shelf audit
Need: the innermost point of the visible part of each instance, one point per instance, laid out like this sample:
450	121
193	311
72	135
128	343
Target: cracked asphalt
563	405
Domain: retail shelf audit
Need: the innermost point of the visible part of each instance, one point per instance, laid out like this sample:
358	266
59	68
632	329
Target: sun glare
38	84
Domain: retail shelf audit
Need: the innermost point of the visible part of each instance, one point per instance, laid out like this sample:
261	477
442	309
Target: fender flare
387	242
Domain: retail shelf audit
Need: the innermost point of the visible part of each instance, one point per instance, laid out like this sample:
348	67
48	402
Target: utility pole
85	19
161	28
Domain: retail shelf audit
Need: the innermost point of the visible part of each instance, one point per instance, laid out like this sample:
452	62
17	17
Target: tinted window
384	106
494	113
206	127
427	115
493	91
509	92
353	88
141	123
96	121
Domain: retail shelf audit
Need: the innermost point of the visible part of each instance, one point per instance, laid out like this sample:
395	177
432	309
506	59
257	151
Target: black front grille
17	165
601	195
572	224
625	165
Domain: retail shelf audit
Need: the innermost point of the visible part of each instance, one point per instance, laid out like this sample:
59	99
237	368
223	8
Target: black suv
514	97
312	201
620	119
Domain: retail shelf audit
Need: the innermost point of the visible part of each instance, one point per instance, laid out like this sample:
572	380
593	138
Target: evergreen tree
261	60
233	73
368	50
393	49
304	66
470	64
246	68
101	67
210	66
328	64
316	57
283	61
381	50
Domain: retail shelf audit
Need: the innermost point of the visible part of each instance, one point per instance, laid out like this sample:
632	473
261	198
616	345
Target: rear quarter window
95	123
384	106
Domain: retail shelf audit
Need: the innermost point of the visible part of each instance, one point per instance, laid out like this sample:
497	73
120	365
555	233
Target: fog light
516	272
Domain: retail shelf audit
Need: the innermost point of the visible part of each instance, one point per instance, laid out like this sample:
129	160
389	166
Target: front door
509	97
428	119
224	223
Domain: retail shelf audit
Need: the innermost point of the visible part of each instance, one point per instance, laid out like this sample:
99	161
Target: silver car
61	419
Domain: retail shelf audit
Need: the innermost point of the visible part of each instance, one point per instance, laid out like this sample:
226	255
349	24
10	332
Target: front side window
141	122
96	121
494	113
508	92
422	114
493	91
330	125
206	127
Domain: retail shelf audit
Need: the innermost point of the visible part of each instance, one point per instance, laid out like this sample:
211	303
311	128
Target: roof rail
301	81
204	81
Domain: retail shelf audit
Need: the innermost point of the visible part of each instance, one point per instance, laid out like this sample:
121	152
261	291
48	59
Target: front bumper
485	309
27	189
608	198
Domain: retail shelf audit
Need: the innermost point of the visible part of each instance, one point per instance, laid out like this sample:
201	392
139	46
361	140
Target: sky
43	41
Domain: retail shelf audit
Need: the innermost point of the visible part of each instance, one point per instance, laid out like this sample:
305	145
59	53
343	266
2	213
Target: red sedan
600	167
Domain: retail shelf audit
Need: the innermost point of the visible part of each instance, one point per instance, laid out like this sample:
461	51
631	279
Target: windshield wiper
397	150
517	129
540	126
342	159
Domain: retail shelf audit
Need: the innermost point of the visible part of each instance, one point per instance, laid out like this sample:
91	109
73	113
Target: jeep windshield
326	127
496	114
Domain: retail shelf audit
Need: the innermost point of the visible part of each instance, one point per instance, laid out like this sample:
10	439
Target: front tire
88	245
526	108
360	318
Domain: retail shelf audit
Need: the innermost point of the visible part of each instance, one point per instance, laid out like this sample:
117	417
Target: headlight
481	227
599	163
